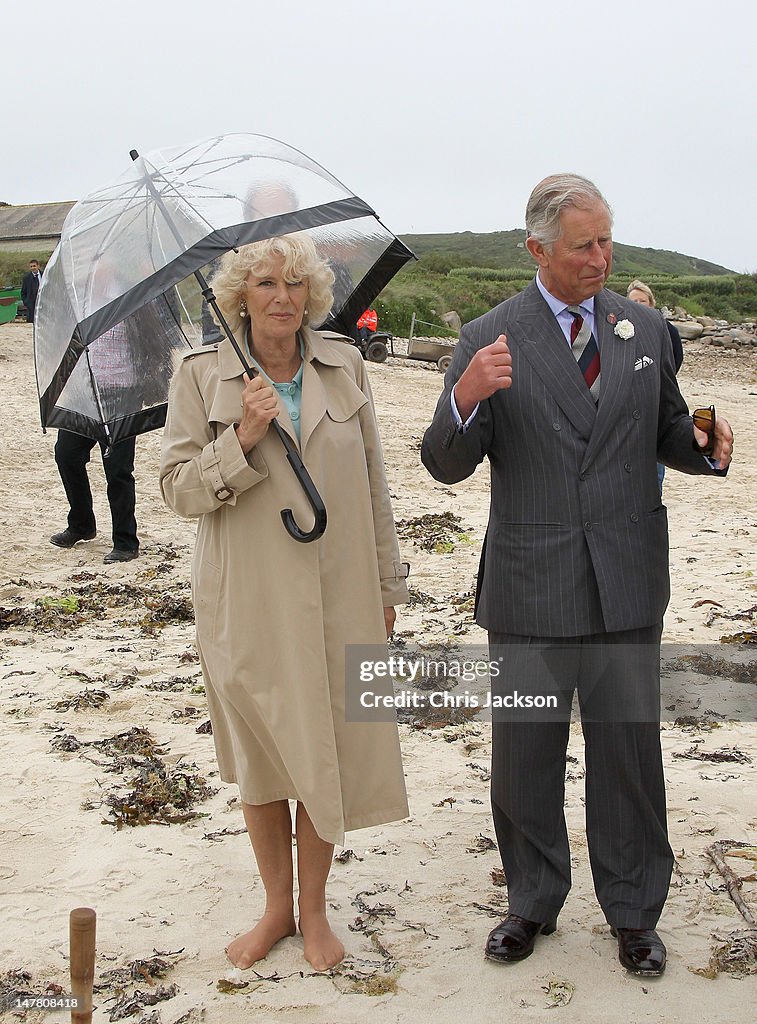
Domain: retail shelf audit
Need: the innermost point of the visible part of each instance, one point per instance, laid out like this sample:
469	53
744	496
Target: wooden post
82	922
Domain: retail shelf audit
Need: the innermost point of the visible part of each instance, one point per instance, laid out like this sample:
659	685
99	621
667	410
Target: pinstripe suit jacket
577	541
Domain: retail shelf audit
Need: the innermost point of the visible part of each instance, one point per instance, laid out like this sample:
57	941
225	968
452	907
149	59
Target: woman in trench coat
273	615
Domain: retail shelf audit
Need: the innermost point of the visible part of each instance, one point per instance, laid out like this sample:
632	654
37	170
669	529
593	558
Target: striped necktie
584	347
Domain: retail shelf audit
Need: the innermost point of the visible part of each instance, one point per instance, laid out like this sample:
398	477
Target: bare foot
256	944
322	948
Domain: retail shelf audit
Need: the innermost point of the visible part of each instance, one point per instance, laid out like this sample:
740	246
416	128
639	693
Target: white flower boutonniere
624	329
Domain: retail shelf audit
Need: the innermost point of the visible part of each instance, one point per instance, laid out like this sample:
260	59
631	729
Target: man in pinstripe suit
575	562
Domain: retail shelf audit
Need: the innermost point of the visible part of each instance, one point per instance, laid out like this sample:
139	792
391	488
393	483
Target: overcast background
442	115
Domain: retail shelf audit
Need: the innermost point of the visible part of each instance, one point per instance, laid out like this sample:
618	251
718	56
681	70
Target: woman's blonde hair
301	263
639	286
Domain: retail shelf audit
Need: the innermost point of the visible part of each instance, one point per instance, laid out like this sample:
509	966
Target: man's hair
639	286
33	261
551	196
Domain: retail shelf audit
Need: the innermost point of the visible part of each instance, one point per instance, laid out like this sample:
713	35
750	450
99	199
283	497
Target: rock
452	319
705	321
741	336
688	329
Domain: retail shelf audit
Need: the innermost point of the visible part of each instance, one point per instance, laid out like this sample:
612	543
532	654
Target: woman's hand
390	617
259	407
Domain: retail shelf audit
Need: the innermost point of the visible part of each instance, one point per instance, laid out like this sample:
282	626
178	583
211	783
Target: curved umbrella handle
316	502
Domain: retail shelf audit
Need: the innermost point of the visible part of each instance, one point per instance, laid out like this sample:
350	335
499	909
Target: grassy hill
506	249
471	273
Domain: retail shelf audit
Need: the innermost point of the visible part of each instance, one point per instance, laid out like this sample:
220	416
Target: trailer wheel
443	363
377	352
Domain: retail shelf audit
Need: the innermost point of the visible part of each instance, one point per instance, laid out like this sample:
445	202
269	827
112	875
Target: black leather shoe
514	939
69	537
121	555
641	951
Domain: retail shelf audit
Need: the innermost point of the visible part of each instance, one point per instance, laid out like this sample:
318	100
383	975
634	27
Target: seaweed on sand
128	1002
735	953
147	969
84	701
136	742
160	794
165	608
436	531
719	756
173	683
724	668
370	917
14	985
50	614
482	844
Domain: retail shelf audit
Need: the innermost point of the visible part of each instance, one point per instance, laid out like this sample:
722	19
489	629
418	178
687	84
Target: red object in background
369	319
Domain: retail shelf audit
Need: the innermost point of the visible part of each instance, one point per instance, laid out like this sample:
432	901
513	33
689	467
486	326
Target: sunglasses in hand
704	419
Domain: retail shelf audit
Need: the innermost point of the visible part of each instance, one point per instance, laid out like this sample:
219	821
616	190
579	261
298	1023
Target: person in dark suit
29	289
639	292
570	392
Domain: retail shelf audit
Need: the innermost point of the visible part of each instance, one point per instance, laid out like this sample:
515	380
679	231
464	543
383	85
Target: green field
470	273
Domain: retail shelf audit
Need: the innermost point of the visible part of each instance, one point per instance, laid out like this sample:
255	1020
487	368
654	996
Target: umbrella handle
316	502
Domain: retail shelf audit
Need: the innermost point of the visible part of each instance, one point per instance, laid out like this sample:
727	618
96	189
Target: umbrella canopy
109	327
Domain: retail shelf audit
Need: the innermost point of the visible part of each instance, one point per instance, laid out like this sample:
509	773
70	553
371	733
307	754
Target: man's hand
722	442
490	370
259	407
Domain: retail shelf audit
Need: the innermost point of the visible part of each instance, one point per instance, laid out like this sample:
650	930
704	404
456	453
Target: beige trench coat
273	615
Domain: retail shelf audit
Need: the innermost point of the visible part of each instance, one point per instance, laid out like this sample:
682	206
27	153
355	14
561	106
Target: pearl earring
243	307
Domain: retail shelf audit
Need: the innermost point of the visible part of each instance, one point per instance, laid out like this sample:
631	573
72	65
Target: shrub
13	265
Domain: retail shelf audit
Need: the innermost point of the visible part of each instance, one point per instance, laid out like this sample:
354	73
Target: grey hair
639	286
301	263
551	196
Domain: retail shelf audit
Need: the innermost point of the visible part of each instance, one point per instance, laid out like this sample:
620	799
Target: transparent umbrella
109	327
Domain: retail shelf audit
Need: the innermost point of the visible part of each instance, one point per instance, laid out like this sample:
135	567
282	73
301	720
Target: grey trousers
618	694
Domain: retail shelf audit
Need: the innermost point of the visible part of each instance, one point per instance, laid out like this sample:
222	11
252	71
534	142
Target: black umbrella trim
208	249
128	426
381	273
200	254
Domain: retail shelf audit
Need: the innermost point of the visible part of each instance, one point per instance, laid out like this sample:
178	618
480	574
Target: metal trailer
439	352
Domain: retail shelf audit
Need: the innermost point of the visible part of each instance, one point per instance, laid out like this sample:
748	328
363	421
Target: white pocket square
642	362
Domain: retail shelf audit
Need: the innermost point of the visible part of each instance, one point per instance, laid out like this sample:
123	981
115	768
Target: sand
416	900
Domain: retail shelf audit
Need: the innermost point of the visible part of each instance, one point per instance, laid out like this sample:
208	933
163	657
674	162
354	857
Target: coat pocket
206	596
342	404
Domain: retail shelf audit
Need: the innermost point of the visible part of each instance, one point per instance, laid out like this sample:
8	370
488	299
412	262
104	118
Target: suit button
582	476
587	527
555	426
627	467
636	414
634	517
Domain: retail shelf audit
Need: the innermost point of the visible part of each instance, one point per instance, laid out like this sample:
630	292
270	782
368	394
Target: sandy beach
90	651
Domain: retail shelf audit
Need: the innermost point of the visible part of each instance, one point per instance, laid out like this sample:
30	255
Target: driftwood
717	852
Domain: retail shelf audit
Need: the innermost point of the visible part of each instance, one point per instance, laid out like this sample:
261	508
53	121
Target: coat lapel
318	392
617	360
543	344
